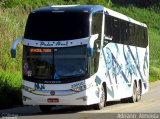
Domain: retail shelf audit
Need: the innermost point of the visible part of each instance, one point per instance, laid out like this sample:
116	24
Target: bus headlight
26	88
82	88
79	89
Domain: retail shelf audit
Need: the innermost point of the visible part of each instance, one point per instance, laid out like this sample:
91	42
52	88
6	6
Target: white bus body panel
120	65
63	92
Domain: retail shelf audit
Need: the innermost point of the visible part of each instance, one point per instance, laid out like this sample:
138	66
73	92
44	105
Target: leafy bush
10	88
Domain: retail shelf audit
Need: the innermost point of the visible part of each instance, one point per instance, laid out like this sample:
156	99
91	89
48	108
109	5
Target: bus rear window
48	26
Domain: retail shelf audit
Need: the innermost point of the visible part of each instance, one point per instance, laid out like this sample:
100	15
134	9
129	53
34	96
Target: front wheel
102	102
45	108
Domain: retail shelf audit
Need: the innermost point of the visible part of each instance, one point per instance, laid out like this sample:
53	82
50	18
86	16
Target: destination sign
40	50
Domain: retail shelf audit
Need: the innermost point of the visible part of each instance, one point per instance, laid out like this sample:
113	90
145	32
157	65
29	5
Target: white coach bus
82	55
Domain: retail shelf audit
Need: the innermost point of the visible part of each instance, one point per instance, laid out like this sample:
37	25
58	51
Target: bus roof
70	8
89	9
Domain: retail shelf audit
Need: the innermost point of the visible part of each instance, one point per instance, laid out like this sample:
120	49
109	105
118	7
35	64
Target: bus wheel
138	98
102	102
45	108
133	98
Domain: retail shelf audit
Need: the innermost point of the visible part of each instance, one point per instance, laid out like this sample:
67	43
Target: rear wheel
138	98
133	98
45	108
102	102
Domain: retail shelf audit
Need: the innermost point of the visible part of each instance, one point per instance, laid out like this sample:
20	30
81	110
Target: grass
13	15
10	88
12	23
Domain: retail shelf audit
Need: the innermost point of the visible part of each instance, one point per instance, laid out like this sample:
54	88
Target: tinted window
112	28
57	26
125	32
97	26
94	60
108	26
97	23
116	30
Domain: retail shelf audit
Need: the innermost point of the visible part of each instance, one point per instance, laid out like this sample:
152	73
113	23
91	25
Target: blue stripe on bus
110	91
137	68
115	61
135	63
106	66
122	73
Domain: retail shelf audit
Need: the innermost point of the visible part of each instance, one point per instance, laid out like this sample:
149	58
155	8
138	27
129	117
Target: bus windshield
56	26
55	63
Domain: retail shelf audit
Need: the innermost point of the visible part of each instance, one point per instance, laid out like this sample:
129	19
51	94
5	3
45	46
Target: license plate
52	100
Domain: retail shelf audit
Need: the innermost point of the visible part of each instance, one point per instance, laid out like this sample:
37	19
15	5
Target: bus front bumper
87	97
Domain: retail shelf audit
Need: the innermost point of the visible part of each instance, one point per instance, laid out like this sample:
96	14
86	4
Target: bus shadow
75	109
61	110
35	111
110	103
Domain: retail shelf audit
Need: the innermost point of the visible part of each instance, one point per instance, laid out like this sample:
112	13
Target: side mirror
13	53
14	45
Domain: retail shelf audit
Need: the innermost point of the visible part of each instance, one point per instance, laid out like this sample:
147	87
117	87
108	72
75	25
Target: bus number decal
39	86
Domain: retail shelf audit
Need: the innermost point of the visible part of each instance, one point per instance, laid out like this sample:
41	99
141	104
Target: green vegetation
10	88
13	15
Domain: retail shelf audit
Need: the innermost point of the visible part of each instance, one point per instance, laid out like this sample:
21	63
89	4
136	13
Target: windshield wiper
72	76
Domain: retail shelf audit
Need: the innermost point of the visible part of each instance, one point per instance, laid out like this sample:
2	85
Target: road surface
150	103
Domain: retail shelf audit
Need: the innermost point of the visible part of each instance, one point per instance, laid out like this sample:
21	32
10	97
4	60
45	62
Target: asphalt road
150	103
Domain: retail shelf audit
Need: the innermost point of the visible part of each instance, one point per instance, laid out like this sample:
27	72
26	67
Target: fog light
26	98
84	98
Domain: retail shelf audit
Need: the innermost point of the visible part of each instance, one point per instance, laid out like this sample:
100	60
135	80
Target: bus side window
97	25
123	31
116	30
140	36
145	37
96	29
126	27
136	35
108	28
131	34
94	60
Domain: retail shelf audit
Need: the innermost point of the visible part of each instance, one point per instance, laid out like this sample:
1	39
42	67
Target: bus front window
70	62
55	63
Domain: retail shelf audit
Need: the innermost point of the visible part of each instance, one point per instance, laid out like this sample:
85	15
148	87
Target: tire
133	98
138	98
102	102
45	108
